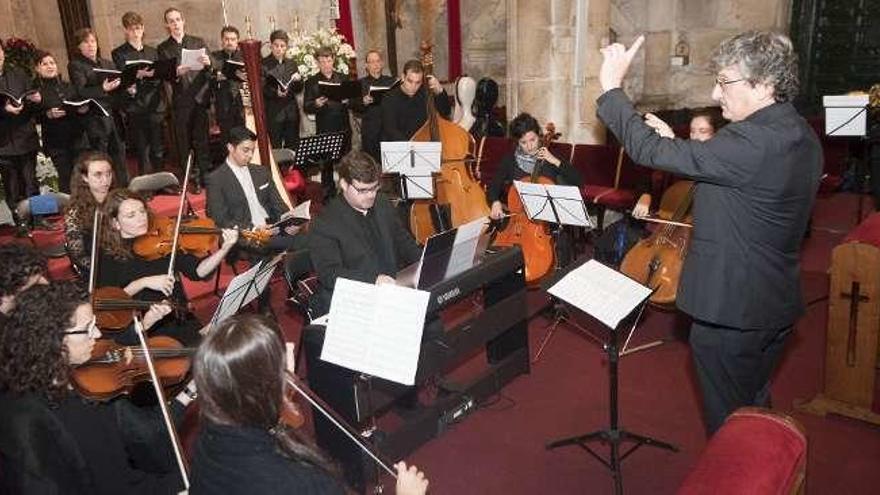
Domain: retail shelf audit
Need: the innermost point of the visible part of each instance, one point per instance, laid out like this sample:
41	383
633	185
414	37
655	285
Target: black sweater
403	115
508	172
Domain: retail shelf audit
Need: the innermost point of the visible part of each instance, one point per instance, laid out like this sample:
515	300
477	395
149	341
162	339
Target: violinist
243	446
62	134
21	267
704	124
127	217
405	108
522	161
51	440
92	84
91	181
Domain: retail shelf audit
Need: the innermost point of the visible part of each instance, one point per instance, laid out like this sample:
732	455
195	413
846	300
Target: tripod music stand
613	434
566	207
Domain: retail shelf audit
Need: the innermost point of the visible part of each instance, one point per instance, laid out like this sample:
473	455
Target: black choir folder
283	75
339	91
163	70
231	70
378	92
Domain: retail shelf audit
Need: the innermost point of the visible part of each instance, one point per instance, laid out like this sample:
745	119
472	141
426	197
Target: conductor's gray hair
762	57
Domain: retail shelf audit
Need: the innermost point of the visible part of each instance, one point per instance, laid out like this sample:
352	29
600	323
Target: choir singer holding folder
330	115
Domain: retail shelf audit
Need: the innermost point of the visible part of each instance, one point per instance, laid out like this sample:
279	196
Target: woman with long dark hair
126	217
243	446
91	181
51	440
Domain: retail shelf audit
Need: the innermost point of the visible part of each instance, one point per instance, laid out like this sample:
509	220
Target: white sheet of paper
302	210
845	115
535	202
190	58
465	248
600	291
569	205
376	329
397	159
419	186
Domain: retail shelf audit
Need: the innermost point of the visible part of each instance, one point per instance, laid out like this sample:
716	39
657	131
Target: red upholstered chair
755	452
602	168
489	154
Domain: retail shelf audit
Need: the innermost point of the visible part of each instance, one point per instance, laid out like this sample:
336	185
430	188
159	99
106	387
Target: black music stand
320	150
613	434
571	207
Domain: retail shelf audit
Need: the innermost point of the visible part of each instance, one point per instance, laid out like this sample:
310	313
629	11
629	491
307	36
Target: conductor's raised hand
616	60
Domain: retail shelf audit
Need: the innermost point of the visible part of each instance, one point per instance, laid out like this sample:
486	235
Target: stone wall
38	21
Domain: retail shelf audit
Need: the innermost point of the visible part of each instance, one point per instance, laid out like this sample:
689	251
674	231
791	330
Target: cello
657	260
456	185
533	237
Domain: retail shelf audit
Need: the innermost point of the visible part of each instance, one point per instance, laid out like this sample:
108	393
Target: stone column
553	61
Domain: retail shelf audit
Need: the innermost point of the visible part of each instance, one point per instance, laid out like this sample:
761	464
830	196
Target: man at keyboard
359	234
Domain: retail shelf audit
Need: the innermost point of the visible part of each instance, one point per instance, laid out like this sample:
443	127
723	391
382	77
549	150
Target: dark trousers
229	116
146	133
103	136
734	367
284	130
19	174
62	158
191	133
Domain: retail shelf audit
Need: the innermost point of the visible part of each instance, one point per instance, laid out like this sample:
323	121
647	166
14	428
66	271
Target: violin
657	260
114	308
115	369
197	237
533	237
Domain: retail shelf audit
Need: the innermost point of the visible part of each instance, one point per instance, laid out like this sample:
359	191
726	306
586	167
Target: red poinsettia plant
22	53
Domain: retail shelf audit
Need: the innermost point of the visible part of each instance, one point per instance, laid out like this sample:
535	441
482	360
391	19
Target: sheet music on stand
601	292
415	162
244	288
376	329
553	203
464	250
318	148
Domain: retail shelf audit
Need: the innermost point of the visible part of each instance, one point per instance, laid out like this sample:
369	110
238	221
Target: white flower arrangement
304	46
46	173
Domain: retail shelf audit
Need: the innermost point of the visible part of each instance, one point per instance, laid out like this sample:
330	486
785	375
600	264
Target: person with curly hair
91	181
243	446
127	217
51	439
755	185
21	267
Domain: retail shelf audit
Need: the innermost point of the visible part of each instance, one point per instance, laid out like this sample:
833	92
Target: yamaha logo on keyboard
442	298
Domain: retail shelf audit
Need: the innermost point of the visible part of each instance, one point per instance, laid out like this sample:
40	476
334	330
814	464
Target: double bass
657	260
533	237
456	185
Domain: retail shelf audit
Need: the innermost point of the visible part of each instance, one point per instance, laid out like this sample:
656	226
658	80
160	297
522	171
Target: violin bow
160	393
179	220
338	422
93	257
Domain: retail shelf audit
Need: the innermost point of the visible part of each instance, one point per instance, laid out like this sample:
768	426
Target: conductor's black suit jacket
227	204
339	246
756	182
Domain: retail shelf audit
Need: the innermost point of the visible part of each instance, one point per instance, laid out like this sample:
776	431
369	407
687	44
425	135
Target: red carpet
500	447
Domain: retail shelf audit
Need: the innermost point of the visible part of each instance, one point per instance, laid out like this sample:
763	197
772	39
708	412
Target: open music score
601	292
376	329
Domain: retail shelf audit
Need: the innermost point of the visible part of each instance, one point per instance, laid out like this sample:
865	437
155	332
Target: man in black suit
228	105
370	109
405	110
282	109
358	235
142	103
190	97
756	182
